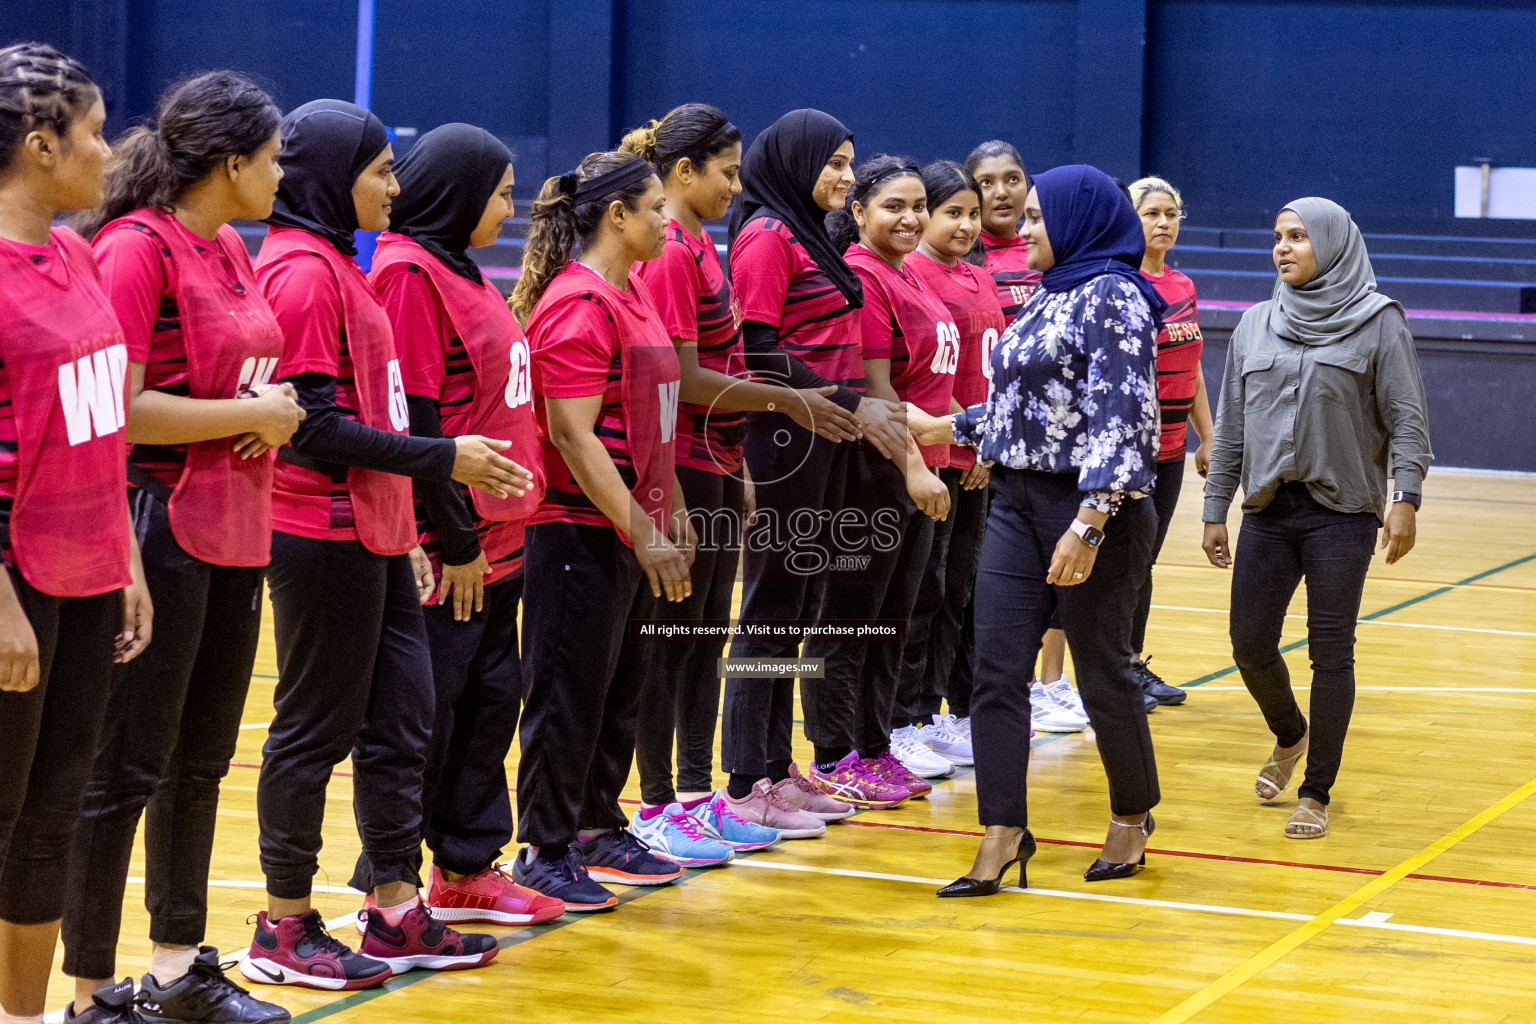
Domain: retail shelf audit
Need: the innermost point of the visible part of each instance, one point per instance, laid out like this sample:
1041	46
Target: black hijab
326	145
777	176
445	181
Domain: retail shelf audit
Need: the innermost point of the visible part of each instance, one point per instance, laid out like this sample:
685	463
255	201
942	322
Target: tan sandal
1307	823
1276	774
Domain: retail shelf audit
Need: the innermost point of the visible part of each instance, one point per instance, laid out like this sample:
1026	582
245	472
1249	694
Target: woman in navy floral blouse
1070	427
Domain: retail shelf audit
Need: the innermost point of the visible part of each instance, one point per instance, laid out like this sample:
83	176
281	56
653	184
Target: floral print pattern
1074	388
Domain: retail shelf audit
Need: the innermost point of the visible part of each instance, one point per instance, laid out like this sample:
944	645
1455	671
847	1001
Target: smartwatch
1408	496
1091	535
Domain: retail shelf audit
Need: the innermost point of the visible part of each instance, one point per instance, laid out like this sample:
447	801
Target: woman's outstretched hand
929	429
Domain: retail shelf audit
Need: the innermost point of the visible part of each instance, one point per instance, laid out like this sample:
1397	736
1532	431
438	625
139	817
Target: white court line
1415	689
255	725
1370	920
1362	622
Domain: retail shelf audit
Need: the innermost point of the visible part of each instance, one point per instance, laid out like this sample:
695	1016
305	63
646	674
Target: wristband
1091	535
1408	496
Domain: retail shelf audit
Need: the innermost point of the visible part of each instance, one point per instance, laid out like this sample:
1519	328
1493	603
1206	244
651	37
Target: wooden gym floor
1421	903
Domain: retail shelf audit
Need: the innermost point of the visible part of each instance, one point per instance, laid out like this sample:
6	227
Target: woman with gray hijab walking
1320	402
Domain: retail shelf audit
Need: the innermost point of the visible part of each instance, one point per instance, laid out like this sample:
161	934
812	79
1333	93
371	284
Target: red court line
1231	858
1201	856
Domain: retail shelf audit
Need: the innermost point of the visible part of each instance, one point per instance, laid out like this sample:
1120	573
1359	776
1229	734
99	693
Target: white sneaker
1045	715
943	739
1062	693
915	756
960	726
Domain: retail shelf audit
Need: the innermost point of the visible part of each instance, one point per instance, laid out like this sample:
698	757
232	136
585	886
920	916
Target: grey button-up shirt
1340	418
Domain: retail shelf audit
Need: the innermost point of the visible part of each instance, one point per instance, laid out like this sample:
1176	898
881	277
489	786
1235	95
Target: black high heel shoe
968	886
1102	870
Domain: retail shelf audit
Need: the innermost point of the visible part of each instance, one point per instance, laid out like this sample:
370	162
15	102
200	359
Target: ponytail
559	222
202	121
697	131
641	141
547	249
868	179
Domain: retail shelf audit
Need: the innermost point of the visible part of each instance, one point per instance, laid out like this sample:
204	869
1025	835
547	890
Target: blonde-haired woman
1180	394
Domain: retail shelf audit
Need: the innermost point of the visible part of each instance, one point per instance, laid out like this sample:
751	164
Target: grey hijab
1342	296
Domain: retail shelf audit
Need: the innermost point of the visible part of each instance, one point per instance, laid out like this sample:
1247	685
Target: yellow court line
1272	953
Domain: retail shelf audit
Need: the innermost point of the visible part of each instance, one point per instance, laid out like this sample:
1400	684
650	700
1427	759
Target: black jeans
798	477
466	807
172	723
1165	498
1291	538
50	736
354	677
850	707
1030	512
583	692
939	625
680	680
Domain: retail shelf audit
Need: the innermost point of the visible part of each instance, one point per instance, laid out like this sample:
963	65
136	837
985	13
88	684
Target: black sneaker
565	879
204	995
1153	686
621	856
110	1004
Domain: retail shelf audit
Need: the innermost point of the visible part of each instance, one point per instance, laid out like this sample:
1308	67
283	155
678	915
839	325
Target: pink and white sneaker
889	767
854	782
797	789
766	806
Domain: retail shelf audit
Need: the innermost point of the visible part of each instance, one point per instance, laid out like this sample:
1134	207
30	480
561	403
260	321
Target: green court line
1379	613
524	935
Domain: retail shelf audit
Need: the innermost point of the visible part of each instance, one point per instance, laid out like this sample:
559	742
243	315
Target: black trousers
50	735
939	623
1030	512
478	684
1291	539
173	719
680	680
354	677
1165	499
799	478
850	707
583	693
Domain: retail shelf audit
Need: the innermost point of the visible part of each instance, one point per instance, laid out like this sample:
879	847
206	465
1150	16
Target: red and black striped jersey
697	305
778	282
1179	346
1008	263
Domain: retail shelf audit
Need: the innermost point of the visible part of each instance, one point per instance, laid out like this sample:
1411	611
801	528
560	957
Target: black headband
704	146
606	184
889	172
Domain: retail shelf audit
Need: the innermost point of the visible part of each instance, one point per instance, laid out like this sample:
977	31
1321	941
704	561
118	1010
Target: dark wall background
1245	105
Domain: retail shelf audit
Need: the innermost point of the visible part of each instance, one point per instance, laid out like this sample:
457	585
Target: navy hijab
778	174
1093	230
326	145
445	181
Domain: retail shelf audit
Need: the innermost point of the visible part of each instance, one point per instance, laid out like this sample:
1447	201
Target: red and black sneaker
421	940
299	951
